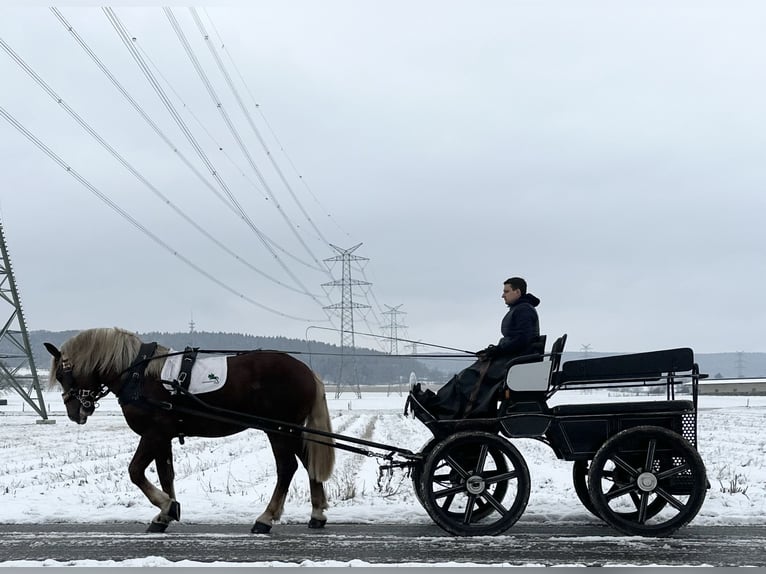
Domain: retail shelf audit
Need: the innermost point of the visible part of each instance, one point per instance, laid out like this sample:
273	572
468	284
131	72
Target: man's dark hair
517	283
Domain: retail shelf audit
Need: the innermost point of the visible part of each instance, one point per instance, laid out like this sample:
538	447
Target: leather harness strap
130	389
187	362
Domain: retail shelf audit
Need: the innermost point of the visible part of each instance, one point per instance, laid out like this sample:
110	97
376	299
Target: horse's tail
321	454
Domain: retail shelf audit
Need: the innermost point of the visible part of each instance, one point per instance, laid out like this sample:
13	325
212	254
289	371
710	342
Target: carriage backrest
634	367
536	376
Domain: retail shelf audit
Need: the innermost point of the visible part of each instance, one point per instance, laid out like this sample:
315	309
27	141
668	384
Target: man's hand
487	353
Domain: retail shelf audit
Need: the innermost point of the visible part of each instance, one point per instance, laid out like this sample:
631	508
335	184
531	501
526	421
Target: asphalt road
525	544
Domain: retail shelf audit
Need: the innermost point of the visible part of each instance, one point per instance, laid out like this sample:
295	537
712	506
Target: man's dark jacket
520	327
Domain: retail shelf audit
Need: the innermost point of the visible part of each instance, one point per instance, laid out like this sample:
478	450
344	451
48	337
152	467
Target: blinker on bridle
88	399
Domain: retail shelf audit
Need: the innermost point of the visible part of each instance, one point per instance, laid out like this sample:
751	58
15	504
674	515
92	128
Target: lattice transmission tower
393	329
17	363
347	370
394	326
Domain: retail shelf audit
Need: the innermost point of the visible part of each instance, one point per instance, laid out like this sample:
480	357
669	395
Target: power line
126	39
96	136
232	128
250	122
31	137
259	108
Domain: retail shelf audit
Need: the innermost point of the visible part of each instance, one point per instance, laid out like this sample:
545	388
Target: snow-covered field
65	472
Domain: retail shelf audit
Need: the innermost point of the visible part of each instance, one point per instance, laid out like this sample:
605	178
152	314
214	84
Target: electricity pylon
15	351
393	327
346	308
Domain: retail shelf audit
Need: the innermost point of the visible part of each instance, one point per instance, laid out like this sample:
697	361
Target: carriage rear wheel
580	480
475	484
638	466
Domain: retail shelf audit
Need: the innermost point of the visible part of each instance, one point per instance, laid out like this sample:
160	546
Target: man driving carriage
472	392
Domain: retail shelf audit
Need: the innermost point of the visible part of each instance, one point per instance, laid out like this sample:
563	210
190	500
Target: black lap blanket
472	393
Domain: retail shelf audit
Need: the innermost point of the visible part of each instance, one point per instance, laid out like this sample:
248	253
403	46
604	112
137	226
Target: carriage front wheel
640	469
474	484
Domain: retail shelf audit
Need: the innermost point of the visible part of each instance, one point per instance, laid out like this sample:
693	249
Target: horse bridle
88	398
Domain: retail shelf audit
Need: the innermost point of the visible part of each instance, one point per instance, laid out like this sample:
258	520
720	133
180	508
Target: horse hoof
260	528
174	511
316	523
157	527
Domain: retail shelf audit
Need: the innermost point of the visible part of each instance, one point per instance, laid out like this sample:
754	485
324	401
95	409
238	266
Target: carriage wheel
417	469
636	467
580	480
482	508
475	484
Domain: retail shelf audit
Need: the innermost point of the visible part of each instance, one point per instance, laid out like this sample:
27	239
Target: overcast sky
610	152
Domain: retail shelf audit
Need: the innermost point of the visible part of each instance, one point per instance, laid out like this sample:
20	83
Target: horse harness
131	380
133	377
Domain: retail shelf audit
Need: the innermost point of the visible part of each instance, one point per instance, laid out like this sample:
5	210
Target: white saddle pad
208	373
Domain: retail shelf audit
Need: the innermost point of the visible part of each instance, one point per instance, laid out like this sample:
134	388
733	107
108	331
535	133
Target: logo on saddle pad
208	373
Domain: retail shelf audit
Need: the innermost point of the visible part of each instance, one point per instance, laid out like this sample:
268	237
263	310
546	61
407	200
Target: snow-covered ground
64	472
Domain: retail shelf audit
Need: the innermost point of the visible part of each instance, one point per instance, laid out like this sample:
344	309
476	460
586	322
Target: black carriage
635	463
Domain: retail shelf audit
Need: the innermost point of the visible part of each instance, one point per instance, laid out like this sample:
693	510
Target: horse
268	384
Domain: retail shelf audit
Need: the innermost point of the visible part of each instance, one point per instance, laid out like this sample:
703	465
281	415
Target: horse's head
81	394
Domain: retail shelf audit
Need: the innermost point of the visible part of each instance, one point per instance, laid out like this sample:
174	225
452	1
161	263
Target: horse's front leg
152	448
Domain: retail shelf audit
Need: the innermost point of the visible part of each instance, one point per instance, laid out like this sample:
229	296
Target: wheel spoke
468	514
625	466
494	503
447	503
451	491
650	455
442	478
673	471
672	500
621	491
492	479
456	466
642	508
482	459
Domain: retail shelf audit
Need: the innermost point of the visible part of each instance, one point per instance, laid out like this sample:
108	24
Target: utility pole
346	308
15	350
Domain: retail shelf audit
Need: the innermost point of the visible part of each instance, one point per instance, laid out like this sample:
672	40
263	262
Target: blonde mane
106	350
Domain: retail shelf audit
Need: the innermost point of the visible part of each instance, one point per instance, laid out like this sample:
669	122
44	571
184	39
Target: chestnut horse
268	384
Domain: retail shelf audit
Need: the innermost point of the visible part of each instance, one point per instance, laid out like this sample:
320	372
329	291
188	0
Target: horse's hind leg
284	457
318	497
159	450
318	504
